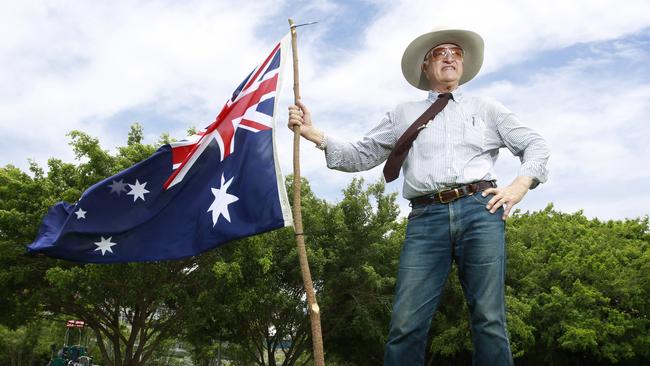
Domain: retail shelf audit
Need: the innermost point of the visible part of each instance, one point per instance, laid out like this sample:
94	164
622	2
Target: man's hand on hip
508	196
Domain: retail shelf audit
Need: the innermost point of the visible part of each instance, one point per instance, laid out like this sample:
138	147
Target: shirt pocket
474	132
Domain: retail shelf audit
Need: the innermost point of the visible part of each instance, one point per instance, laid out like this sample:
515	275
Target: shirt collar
458	95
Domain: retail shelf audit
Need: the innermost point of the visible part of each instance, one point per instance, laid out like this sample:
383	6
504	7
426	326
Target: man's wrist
321	141
524	181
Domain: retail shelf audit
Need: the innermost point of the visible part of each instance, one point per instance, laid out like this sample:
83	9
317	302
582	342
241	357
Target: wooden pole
314	310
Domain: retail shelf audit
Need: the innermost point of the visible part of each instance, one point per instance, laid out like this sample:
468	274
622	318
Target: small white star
118	187
105	245
222	199
138	190
81	214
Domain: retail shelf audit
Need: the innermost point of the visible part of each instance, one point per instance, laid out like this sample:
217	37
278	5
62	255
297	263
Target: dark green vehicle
71	355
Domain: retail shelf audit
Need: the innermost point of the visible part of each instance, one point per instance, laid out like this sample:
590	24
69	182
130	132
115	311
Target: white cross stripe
253	87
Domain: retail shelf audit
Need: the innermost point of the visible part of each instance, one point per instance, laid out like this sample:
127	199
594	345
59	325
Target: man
447	157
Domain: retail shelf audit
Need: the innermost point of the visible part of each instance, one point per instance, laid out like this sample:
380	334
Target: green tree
23	201
30	344
261	308
584	287
361	243
257	304
577	289
131	308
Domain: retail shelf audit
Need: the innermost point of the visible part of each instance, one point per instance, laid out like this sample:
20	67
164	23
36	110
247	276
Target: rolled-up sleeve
528	145
367	153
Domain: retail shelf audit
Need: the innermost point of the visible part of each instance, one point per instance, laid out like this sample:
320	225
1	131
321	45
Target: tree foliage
257	303
362	248
577	289
585	283
576	293
131	308
29	344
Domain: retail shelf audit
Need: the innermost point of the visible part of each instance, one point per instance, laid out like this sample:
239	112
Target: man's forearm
316	136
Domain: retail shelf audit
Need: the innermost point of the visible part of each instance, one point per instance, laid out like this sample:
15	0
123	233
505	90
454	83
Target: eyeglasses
441	53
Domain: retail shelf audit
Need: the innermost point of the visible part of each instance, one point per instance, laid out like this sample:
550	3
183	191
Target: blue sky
576	71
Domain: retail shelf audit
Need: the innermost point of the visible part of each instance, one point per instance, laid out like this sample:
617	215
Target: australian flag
190	196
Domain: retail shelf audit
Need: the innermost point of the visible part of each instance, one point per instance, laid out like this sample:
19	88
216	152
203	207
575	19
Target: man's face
444	64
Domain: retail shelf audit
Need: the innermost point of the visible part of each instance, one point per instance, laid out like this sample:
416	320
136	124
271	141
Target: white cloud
570	104
78	65
73	65
513	31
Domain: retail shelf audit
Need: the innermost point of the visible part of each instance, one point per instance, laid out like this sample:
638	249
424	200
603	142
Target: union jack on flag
251	107
222	184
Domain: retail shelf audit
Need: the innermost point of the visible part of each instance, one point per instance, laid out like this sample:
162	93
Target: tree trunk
269	353
219	354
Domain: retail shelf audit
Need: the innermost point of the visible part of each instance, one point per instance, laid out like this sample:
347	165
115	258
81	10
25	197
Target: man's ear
424	70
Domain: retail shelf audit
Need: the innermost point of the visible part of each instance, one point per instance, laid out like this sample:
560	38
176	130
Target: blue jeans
466	232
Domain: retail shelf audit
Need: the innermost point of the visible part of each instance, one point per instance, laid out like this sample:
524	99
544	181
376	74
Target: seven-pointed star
118	187
81	214
221	201
105	245
138	190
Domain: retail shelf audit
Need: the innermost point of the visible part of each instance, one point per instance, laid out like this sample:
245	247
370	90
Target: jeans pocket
416	212
478	197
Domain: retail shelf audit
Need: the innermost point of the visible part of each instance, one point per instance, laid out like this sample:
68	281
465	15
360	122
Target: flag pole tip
302	25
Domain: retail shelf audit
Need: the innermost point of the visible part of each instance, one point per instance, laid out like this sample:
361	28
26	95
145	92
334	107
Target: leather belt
453	194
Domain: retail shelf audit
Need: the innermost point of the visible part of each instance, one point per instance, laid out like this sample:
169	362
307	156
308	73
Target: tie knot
445	96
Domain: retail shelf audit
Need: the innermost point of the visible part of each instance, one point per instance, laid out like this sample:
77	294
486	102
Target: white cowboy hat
470	42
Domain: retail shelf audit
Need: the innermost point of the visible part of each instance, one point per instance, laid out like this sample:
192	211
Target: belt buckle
456	191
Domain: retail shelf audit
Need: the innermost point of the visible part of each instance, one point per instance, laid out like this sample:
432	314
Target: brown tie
403	144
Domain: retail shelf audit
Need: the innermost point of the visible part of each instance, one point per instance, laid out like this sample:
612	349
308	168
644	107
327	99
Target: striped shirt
459	146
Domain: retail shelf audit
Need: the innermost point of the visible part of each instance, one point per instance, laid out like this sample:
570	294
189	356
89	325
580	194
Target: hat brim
471	43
